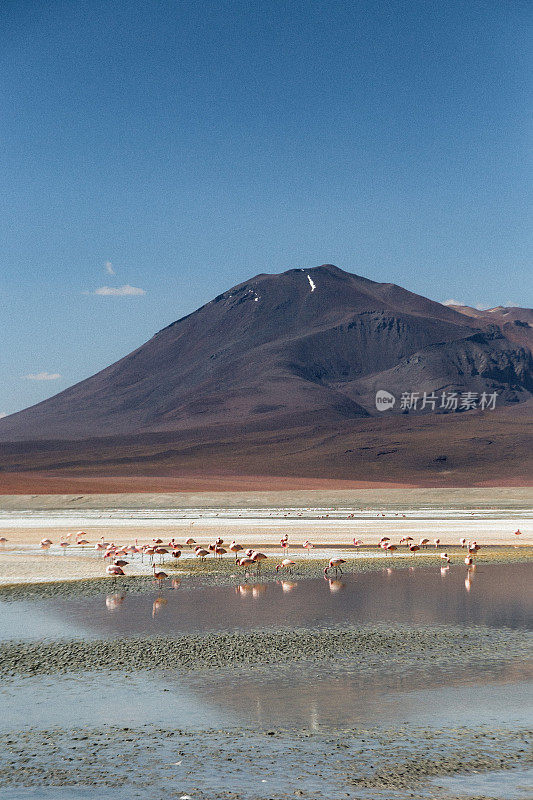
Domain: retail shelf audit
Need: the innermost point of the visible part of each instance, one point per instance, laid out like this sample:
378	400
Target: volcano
282	350
283	358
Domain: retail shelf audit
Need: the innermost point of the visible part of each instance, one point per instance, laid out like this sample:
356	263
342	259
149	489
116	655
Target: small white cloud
477	306
119	291
109	268
2	414
42	376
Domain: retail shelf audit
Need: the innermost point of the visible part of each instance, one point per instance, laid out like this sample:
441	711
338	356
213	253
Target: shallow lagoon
320	699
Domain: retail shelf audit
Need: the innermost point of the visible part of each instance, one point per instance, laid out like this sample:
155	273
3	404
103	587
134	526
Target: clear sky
190	145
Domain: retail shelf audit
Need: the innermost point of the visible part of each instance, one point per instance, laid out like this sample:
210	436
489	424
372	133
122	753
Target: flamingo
162	552
220	551
176	553
518	532
201	553
462	542
3	540
469	561
189	542
46	543
257	558
63	544
391	548
246	562
424	542
357	542
334	563
436	542
285	542
235	548
119	562
287	564
414	548
159	575
114	570
445	557
307	546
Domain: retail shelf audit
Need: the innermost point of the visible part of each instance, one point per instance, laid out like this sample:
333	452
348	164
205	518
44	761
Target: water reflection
500	596
158	604
113	601
287	586
335	585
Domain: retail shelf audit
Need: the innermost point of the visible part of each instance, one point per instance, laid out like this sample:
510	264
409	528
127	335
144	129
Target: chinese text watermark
430	401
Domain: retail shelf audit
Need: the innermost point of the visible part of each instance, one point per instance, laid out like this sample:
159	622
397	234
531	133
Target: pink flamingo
334	563
235	548
286	563
159	575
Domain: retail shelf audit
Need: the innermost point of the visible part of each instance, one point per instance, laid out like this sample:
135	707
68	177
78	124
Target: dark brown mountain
281	351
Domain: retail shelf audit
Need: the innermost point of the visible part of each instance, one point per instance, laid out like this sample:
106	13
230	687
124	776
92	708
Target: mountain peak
279	349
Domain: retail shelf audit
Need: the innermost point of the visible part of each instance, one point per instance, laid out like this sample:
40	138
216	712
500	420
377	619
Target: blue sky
192	145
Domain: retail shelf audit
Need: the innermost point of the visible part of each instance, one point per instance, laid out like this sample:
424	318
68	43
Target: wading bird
235	548
287	564
334	563
159	575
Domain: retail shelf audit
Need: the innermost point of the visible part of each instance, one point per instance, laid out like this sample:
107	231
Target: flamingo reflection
113	601
287	586
335	585
158	604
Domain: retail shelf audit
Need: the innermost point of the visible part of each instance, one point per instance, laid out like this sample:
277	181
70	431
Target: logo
384	400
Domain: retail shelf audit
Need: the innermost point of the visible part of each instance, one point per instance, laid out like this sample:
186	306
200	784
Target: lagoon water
229	707
497	595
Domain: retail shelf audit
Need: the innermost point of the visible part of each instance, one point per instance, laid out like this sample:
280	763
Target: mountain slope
279	351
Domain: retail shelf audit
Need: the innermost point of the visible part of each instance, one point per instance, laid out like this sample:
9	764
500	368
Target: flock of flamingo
248	560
